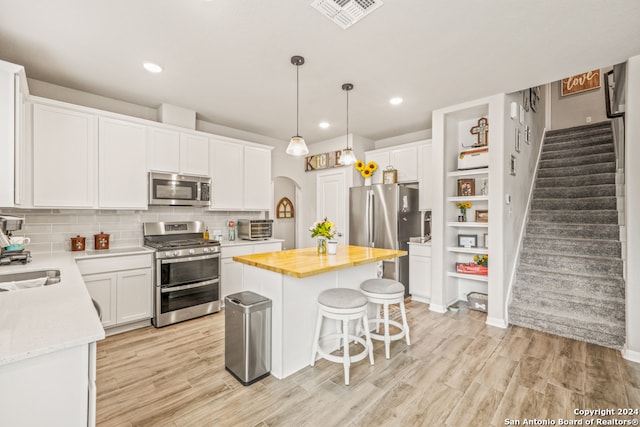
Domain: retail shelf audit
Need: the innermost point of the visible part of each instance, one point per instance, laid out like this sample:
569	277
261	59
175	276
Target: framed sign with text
322	161
581	83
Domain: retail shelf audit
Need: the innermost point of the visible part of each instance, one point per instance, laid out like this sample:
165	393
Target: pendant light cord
347	119
297	99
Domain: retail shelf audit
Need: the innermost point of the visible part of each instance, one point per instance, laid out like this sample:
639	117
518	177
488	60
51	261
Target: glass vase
462	217
322	246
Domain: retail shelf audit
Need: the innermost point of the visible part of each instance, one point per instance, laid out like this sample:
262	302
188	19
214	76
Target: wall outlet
588	119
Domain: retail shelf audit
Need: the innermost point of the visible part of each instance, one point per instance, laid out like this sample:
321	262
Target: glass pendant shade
297	146
347	157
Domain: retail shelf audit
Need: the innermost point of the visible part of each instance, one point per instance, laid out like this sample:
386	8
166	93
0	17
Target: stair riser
583	232
570	265
584	217
577	170
585	285
609	249
590	204
575	192
576	181
574	304
604	335
578	160
579	131
571	152
552	143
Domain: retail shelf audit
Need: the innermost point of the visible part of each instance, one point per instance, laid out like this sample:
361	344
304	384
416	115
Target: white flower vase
332	247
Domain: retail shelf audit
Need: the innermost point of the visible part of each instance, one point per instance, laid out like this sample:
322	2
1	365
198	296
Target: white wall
403	139
285	228
573	110
632	201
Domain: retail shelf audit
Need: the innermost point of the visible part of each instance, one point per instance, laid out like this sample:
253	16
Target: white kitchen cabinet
227	174
194	154
403	158
122	286
257	178
122	164
64	157
231	275
240	175
420	272
426	177
177	152
12	92
163	149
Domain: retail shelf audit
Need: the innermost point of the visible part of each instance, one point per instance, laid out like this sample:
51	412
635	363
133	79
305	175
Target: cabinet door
231	277
382	159
194	154
163	150
267	247
227	175
122	164
102	288
426	178
64	158
257	178
420	277
135	295
405	160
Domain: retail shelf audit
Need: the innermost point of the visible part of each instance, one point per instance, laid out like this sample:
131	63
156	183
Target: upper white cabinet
64	157
257	178
177	152
194	154
12	92
240	176
425	173
403	158
122	164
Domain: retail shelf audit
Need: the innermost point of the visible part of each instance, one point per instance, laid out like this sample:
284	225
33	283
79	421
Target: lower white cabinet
420	272
122	287
231	276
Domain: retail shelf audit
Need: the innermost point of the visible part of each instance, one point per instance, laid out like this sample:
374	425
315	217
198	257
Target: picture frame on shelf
486	240
468	240
517	140
482	215
466	187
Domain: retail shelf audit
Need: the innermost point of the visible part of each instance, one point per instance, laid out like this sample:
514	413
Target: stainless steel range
187	272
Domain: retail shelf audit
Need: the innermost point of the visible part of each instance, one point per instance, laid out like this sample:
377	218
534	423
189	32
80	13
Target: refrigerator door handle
371	218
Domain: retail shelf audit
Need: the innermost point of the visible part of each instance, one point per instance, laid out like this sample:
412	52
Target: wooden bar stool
384	292
343	305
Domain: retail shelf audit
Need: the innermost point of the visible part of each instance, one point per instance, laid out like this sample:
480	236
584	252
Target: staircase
569	281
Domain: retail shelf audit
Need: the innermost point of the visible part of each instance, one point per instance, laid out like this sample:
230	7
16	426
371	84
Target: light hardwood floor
457	372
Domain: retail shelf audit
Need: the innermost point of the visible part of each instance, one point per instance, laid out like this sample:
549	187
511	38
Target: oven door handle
191	258
191	286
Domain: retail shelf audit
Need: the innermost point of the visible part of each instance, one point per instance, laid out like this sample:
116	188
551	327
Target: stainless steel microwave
178	190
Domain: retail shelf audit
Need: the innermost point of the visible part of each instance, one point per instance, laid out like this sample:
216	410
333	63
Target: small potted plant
324	230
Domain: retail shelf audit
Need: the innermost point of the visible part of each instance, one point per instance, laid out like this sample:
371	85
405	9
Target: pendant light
347	157
297	146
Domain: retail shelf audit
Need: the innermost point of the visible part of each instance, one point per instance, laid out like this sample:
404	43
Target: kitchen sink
29	279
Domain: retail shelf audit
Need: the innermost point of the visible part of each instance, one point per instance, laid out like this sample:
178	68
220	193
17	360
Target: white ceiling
229	60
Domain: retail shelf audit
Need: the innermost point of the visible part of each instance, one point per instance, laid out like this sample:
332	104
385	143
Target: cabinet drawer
419	250
231	251
267	247
116	263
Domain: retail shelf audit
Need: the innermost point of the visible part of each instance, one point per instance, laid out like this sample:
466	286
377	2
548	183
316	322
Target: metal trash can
247	336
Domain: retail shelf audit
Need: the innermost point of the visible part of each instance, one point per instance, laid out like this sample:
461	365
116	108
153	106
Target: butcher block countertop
306	262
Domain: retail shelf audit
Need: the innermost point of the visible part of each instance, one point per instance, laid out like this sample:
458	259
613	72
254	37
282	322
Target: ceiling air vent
345	13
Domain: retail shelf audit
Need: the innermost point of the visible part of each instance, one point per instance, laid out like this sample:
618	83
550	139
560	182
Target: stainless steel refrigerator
385	216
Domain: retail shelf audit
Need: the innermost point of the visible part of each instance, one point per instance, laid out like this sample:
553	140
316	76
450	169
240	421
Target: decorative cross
482	131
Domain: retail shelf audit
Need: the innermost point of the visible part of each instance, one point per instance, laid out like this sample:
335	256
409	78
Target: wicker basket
478	301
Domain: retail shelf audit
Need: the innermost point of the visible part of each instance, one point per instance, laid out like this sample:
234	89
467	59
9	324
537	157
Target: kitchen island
293	279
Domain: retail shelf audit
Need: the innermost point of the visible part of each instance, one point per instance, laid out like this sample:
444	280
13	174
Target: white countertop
41	320
241	242
420	244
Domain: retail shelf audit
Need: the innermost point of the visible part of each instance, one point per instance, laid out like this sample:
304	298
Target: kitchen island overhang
293	279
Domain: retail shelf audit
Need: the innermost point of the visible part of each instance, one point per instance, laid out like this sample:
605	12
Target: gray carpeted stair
569	279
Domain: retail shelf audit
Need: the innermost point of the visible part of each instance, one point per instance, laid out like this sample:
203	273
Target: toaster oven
255	229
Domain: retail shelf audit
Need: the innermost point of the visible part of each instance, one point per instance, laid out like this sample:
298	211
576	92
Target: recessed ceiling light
152	68
323	125
395	101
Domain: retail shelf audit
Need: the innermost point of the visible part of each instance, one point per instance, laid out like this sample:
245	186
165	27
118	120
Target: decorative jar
322	246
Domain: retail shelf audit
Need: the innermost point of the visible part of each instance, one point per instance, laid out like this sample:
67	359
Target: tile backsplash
51	230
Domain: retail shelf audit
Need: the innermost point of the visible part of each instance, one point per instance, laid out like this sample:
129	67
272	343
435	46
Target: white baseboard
437	308
498	323
128	327
421	299
630	355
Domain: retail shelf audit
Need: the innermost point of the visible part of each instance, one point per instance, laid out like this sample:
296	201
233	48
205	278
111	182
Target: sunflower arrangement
463	206
482	260
366	170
